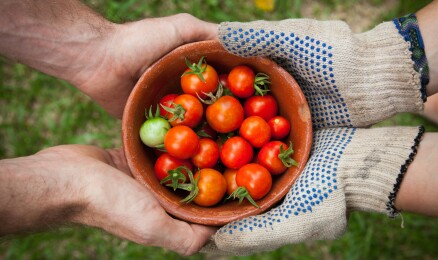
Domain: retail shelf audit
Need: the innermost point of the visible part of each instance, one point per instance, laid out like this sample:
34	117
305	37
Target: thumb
192	29
182	237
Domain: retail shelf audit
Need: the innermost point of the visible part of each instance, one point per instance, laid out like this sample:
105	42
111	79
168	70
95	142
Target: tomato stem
177	111
196	69
175	176
212	97
261	84
150	115
285	156
192	187
242	193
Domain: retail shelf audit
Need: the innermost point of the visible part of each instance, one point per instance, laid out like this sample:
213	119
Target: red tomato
186	110
207	154
212	187
181	141
205	130
193	83
270	158
255	130
256	179
264	106
167	162
230	178
223	79
225	115
166	101
280	127
236	152
241	81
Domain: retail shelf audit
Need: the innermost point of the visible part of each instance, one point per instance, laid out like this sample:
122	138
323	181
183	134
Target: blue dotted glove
350	169
349	81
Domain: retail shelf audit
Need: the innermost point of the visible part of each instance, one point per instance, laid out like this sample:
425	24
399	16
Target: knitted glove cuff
408	28
375	166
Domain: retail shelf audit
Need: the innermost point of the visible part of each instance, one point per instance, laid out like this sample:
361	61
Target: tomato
236	152
276	157
256	179
154	129
205	130
280	127
230	178
181	141
199	79
212	187
225	114
167	162
223	79
166	101
264	106
255	130
207	154
241	81
185	110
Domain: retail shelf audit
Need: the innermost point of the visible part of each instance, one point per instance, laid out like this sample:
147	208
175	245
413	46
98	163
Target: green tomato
153	130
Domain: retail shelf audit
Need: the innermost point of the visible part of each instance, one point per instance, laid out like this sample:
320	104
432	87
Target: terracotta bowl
163	78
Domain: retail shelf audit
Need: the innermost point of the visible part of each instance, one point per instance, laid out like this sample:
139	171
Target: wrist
62	39
36	196
427	25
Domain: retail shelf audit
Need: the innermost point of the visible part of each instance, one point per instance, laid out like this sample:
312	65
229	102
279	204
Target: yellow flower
265	5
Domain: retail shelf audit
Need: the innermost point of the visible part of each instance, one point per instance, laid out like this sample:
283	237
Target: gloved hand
350	169
349	81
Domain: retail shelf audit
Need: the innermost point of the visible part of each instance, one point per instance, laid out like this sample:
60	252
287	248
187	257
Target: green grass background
39	111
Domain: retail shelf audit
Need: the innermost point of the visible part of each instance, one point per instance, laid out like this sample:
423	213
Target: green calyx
176	110
285	156
241	193
191	187
149	115
212	97
175	176
261	84
196	69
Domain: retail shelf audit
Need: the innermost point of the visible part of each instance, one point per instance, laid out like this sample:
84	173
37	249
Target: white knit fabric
349	79
349	169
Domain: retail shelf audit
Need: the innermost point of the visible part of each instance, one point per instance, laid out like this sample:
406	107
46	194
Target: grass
38	111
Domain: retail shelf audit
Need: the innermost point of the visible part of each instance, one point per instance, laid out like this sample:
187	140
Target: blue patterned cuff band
408	28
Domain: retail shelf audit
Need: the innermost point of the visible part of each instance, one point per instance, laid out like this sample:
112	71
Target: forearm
428	25
55	37
32	198
419	189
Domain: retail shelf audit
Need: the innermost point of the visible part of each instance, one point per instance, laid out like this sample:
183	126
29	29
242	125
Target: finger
191	29
117	159
184	238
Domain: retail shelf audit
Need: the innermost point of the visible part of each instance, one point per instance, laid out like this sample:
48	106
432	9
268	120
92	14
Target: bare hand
91	186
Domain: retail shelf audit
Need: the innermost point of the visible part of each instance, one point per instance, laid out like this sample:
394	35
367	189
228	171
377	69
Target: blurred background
38	111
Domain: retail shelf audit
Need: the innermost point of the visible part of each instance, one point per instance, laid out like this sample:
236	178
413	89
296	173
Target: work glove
350	81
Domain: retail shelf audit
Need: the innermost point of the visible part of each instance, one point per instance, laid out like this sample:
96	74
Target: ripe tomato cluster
226	127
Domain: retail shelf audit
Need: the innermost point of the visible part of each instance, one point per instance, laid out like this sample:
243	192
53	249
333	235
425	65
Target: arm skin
83	184
429	31
91	186
104	60
419	190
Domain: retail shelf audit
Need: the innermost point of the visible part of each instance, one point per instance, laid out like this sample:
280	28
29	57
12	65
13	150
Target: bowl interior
163	78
